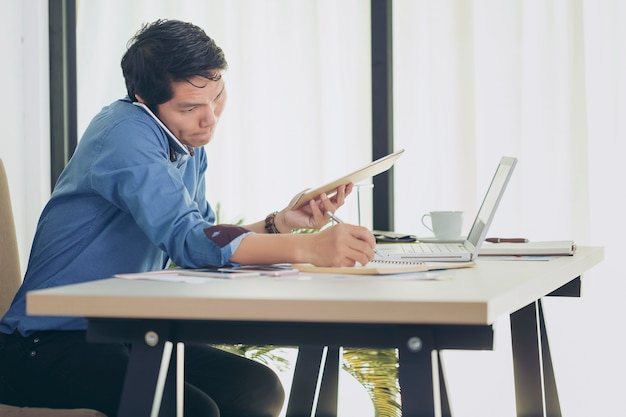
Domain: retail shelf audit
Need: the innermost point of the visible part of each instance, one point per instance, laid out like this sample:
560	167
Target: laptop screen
488	207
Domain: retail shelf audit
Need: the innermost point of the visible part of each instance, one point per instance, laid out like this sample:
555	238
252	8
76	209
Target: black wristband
270	225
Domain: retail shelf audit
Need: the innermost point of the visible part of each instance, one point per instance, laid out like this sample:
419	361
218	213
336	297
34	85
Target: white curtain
474	80
478	80
24	113
543	81
298	111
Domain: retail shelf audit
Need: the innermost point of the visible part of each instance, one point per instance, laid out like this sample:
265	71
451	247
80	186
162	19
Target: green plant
377	371
269	355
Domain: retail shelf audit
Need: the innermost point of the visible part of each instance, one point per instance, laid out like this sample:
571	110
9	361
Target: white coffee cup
445	225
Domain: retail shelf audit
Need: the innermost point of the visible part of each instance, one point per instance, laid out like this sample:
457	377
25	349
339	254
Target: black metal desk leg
443	392
305	378
141	381
329	388
148	339
553	405
535	386
415	374
169	401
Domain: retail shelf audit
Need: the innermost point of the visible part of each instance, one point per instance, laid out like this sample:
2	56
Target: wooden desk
417	317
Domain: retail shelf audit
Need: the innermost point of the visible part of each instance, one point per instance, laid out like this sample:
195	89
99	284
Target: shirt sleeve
166	199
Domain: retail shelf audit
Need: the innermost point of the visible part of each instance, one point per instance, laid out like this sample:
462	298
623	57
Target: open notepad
383	267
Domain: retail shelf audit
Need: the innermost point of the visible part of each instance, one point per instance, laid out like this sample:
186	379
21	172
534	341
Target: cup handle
424	223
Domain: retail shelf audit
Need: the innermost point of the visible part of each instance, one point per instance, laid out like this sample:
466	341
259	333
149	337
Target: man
132	198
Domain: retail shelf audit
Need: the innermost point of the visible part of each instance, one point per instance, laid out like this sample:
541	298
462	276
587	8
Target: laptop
461	251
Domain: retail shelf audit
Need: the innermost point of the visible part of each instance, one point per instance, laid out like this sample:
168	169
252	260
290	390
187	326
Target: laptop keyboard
434	248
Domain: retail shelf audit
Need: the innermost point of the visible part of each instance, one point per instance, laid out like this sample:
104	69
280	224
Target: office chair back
10	276
10	280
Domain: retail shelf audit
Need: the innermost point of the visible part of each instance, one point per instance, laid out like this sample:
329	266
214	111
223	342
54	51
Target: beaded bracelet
270	225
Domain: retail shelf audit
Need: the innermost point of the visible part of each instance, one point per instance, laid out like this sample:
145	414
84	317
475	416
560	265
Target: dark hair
166	51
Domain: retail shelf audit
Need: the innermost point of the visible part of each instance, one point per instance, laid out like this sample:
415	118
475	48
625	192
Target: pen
335	218
338	220
506	240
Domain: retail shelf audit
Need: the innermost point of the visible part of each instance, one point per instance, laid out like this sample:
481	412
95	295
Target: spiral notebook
383	267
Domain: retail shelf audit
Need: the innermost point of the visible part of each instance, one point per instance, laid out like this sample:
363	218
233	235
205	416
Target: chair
10	279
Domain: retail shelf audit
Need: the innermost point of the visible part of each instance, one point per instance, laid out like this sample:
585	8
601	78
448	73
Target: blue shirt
126	202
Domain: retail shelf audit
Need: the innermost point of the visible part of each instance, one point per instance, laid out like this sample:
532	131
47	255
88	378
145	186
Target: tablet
368	171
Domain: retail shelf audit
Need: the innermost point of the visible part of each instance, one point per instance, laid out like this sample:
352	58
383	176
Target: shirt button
36	340
33	353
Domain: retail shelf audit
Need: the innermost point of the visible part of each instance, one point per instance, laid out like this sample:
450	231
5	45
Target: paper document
192	276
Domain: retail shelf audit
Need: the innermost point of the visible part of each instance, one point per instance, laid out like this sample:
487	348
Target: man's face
194	110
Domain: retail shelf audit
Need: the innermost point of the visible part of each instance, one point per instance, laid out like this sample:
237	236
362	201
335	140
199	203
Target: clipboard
373	168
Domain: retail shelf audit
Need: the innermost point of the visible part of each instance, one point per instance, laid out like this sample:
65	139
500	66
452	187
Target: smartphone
216	273
176	144
274	270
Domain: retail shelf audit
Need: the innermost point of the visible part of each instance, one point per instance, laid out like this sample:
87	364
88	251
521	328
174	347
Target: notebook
383	267
539	248
466	250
